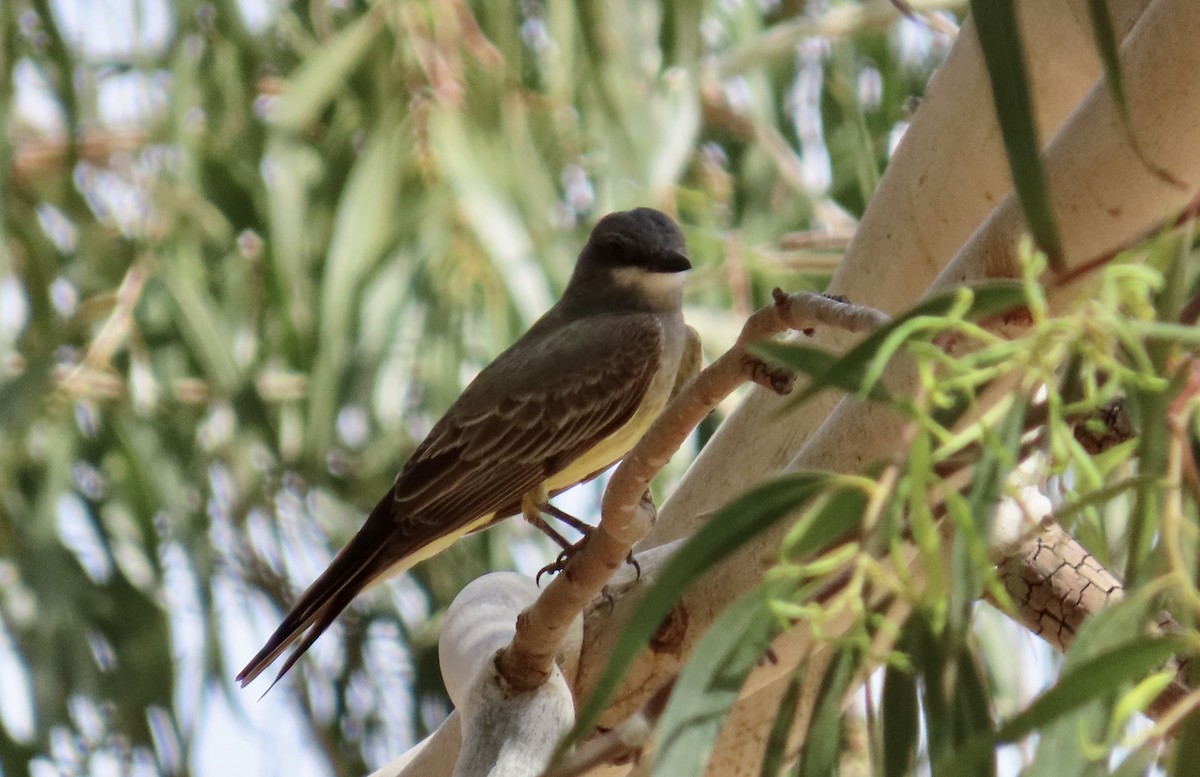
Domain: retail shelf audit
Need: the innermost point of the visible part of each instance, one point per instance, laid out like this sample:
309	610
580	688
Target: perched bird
558	407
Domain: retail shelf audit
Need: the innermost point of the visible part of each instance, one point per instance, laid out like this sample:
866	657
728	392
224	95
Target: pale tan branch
624	741
627	513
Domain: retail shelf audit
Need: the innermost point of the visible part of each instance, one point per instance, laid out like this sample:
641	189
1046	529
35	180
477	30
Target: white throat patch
648	282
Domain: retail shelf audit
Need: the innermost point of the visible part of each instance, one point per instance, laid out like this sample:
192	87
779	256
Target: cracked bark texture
1056	583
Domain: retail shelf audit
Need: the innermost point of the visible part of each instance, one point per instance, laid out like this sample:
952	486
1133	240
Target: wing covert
528	415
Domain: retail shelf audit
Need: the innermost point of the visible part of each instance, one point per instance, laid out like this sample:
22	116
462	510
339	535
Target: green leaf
781	727
22	397
1140	762
324	74
731	528
930	658
1060	750
996	24
823	366
1108	48
361	233
709	684
850	372
1100	496
1186	751
1104	673
1088	680
969	553
203	325
972	710
822	527
1148	407
822	744
900	716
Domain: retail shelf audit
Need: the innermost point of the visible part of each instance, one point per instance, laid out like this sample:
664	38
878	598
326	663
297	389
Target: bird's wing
535	409
526	420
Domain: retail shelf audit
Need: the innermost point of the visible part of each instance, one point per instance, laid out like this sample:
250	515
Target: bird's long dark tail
351	571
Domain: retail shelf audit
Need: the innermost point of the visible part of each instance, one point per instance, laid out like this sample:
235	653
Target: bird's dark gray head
633	259
642	237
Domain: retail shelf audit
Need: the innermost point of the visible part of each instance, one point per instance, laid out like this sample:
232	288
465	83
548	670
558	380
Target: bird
559	406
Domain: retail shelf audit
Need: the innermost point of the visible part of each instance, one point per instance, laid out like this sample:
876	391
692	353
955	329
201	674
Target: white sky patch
14	309
385	688
306	551
895	135
113	199
258	14
410	599
132	98
114	29
63	296
869	87
267	733
913	42
180	595
353	426
77	533
16	703
259	737
804	100
34	102
57	227
43	767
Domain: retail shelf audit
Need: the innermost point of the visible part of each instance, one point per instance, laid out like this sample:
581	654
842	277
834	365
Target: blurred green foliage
248	254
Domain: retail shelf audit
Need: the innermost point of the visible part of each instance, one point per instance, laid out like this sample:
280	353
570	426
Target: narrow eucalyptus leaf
851	371
972	706
1059	748
323	74
719	538
781	727
822	744
205	328
1085	682
709	684
900	721
996	25
1185	753
1091	678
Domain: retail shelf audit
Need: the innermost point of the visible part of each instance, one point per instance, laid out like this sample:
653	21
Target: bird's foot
567	553
560	563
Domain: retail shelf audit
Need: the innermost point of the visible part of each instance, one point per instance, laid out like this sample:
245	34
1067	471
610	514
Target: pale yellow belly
600	457
608	450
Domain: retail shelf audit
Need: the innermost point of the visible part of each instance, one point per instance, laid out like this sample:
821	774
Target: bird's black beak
672	261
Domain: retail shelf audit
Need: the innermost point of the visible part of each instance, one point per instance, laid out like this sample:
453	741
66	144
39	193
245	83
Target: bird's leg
535	504
533	511
582	527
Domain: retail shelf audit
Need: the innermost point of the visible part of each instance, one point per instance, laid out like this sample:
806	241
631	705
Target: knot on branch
778	379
